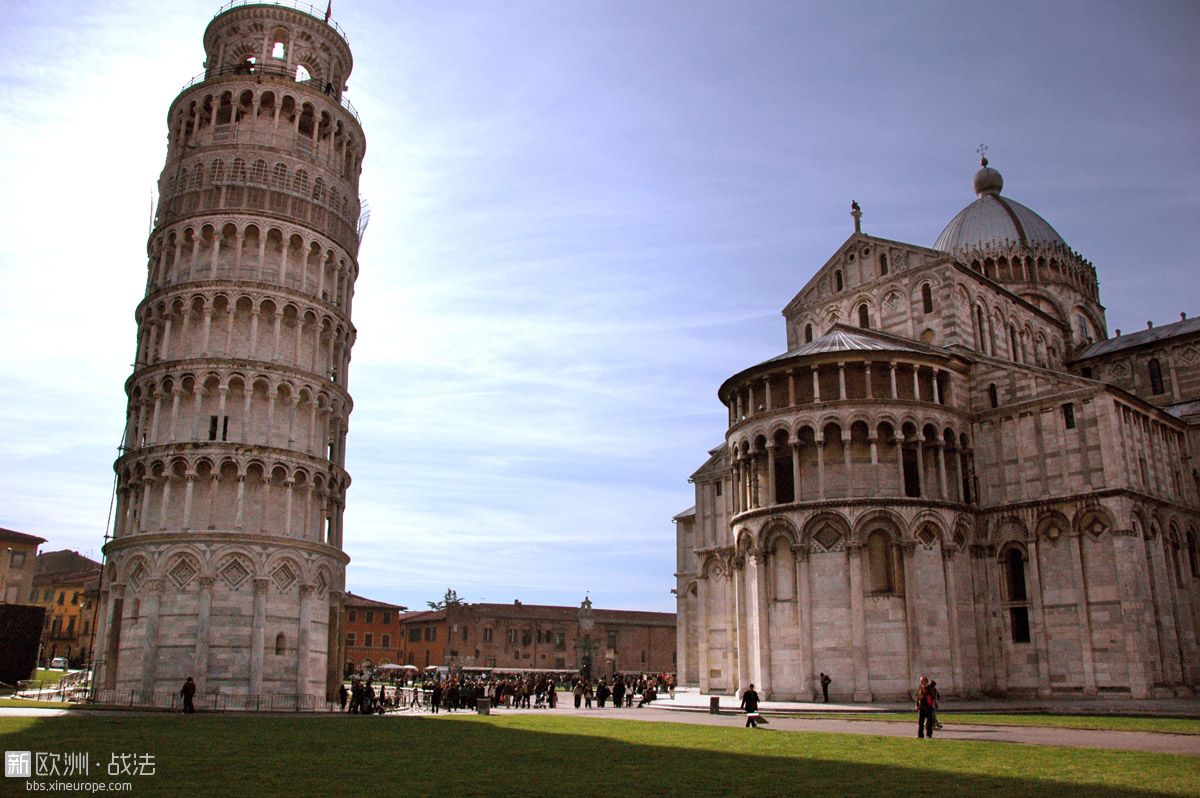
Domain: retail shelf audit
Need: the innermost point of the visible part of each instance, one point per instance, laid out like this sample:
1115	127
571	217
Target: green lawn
1101	722
49	677
26	703
527	755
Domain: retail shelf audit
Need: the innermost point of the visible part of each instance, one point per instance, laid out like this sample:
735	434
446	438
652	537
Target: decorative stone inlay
182	573
137	576
235	573
322	584
827	537
927	537
283	577
1189	356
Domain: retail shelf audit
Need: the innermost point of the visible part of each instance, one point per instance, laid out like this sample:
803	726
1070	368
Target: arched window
1156	380
926	299
837	280
883	264
280	644
1016	595
258	172
993	397
808	333
1193	554
880	565
1014	574
864	316
1014	350
980	331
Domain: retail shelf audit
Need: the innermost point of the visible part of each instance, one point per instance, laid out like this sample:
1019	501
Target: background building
67	584
423	638
372	630
227	562
18	555
541	637
952	471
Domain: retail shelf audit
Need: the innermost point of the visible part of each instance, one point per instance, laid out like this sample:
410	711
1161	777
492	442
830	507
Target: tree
451	599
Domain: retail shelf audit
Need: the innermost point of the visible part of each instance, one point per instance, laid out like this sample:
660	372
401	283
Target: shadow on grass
560	756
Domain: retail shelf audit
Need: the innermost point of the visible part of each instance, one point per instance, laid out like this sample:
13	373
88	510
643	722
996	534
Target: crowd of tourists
517	691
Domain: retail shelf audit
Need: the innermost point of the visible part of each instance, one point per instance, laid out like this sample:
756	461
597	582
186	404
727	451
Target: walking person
825	680
937	701
188	691
750	704
578	692
924	709
343	696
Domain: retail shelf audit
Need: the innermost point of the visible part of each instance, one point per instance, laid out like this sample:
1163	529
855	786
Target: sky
584	217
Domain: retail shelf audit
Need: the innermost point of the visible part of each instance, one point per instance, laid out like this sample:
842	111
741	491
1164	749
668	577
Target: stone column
772	495
733	656
702	652
867	380
1132	577
941	466
761	652
1075	541
214	489
908	550
808	665
791	375
741	616
289	485
258	631
302	637
821	469
1039	621
189	486
951	580
858	625
816	384
149	615
796	472
335	654
841	381
203	633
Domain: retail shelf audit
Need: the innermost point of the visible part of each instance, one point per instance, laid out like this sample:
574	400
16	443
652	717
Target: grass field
49	677
1099	722
568	756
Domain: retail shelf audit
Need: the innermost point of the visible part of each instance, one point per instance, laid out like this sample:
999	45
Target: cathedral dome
993	221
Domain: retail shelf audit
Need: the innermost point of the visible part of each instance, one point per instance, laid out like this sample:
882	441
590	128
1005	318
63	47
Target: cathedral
955	471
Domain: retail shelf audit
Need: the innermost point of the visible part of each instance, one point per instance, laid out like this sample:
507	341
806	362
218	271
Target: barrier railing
214	702
277	73
307	8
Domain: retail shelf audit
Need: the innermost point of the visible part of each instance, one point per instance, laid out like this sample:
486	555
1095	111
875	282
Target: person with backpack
925	707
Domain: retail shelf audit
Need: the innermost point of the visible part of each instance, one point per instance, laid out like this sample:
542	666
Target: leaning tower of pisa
226	562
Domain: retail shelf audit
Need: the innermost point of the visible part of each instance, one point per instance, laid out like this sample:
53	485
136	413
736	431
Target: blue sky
584	217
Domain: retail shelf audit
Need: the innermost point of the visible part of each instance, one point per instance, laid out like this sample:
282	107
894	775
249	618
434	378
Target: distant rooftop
11	536
1141	338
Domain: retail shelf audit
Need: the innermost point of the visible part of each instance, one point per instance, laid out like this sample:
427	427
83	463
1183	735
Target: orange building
18	555
424	638
66	583
541	637
372	633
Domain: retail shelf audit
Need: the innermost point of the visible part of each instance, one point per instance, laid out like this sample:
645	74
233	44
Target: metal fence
278	73
307	8
213	702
